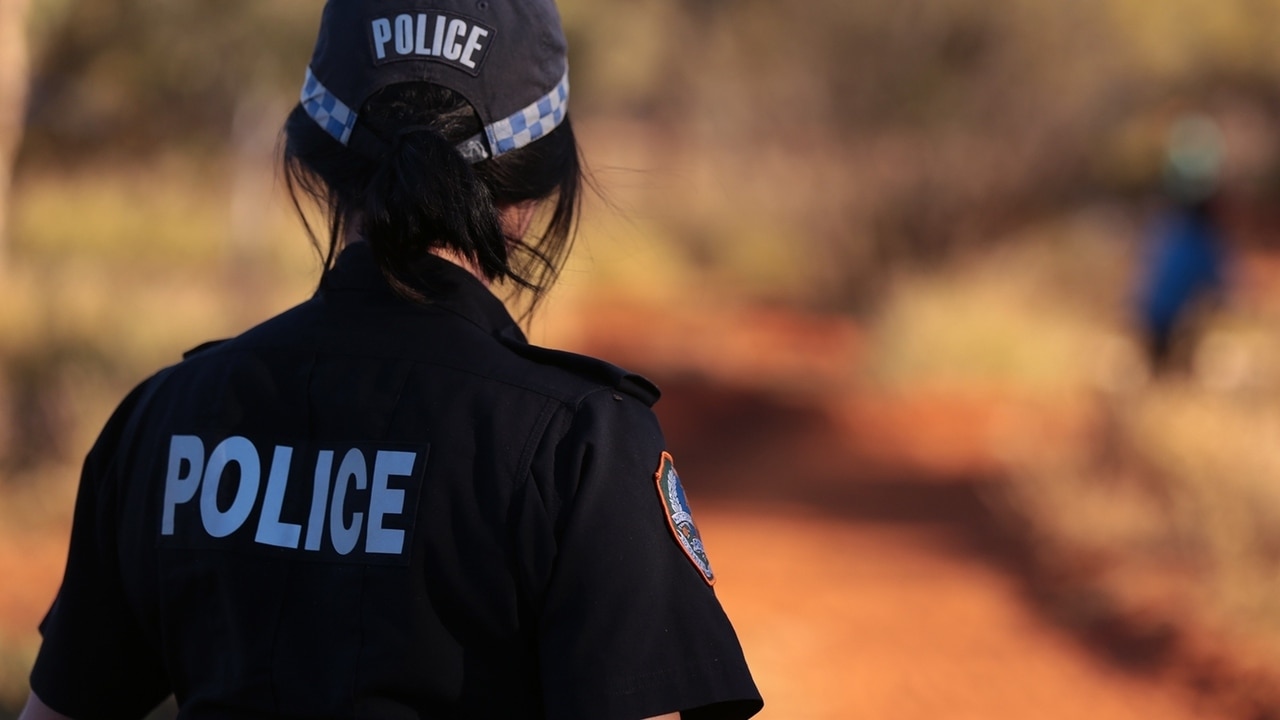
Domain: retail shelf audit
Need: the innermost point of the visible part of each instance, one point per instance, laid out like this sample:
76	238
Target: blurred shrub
1171	509
1037	316
1162	500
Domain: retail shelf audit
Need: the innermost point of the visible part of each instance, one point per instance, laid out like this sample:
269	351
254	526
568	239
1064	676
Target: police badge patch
679	518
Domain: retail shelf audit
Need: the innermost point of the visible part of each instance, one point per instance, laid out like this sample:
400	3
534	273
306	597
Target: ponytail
424	196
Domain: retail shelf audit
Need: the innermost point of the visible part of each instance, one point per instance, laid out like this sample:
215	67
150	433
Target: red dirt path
864	590
856	620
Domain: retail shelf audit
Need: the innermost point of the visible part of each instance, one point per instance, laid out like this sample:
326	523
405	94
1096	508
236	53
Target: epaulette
593	369
201	348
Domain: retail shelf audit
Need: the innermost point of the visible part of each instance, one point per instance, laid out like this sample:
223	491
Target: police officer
385	503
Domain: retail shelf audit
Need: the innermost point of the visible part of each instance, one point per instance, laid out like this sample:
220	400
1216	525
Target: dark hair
421	195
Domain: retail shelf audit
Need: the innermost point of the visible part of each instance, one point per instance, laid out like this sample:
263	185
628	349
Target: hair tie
375	145
369	144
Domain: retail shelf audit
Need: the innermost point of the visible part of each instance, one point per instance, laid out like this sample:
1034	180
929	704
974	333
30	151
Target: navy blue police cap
508	58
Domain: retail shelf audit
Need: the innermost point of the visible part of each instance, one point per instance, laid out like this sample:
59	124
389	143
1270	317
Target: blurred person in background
386	503
1184	261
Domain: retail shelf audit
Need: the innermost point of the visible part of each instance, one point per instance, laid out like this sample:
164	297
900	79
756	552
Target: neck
462	262
352	236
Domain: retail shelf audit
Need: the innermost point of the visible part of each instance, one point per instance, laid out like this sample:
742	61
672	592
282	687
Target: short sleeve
94	661
630	626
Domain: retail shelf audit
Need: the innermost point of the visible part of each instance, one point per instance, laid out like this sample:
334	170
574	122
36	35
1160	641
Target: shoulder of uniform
591	369
202	347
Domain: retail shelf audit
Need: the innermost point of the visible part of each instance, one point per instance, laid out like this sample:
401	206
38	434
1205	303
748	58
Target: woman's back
385	503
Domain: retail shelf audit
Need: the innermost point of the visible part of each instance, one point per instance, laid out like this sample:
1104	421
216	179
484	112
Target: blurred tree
902	131
136	76
13	100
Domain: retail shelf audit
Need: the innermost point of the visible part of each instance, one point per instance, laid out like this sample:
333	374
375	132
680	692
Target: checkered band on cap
532	122
511	133
326	109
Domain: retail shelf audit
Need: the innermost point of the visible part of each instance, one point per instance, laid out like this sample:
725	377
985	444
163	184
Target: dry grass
1038	315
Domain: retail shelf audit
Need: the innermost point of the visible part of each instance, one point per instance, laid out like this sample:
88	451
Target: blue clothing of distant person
1185	264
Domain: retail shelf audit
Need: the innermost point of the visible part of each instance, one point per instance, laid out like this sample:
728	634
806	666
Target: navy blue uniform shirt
372	508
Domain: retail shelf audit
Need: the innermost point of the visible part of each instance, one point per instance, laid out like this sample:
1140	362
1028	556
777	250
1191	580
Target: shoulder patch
590	368
201	348
679	518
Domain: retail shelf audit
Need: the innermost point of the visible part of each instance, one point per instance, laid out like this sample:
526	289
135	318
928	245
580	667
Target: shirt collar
445	285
